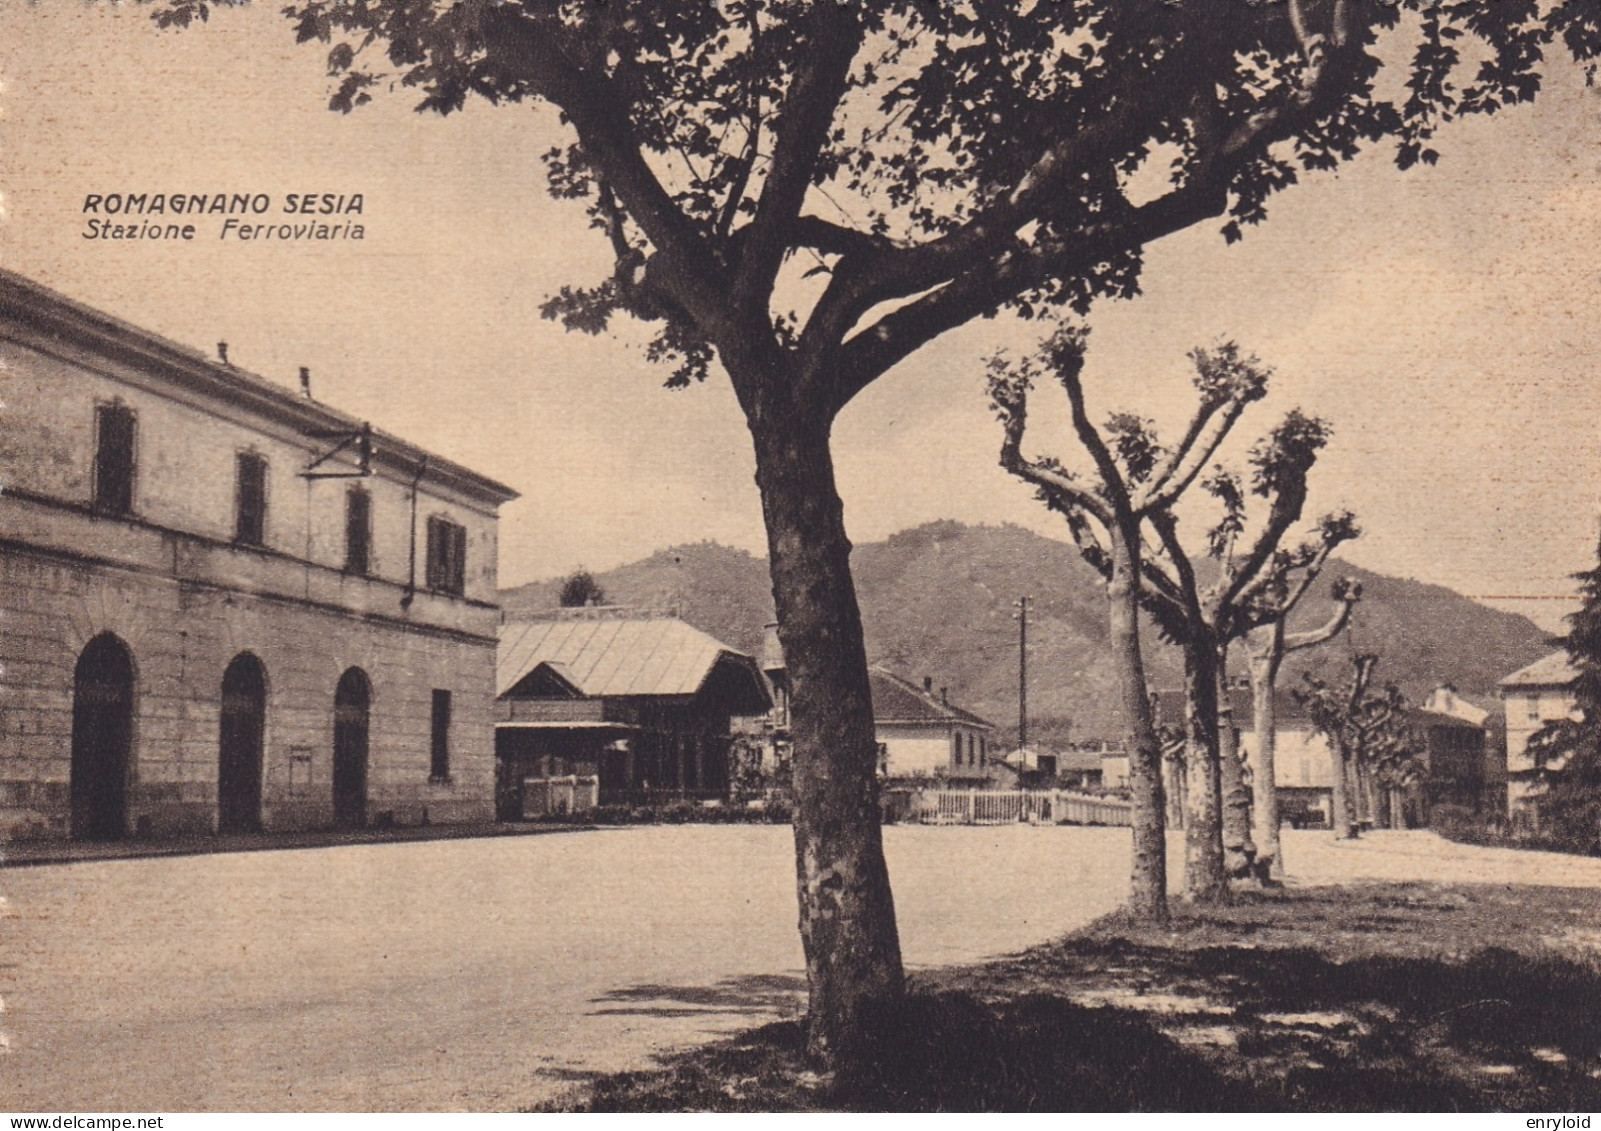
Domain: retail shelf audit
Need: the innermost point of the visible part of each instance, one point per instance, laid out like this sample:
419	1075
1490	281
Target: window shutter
250	519
358	531
113	482
458	570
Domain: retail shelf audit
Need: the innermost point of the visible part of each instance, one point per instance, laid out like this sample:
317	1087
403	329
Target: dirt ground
1369	996
495	974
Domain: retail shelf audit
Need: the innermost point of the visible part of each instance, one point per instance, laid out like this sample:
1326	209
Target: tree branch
538	54
800	132
1345	604
1210	437
1012	406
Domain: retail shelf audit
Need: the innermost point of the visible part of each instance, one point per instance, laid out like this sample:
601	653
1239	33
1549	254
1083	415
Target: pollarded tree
806	191
1249	568
1266	645
1367	736
1136	481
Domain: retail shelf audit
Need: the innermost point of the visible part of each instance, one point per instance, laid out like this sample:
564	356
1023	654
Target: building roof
1080	761
1289	714
1445	701
164	365
897	700
605	653
1555	670
1422	716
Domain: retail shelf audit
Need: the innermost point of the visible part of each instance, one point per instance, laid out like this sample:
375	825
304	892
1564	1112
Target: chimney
222	352
305	382
928	685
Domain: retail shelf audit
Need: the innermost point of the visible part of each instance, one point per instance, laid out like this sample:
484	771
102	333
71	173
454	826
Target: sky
1442	319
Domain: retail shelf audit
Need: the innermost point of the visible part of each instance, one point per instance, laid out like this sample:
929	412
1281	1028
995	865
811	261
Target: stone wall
182	634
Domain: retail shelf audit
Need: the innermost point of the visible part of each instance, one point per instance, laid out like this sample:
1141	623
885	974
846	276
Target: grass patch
1379	997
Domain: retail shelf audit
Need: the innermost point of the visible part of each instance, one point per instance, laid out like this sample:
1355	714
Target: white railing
1013	806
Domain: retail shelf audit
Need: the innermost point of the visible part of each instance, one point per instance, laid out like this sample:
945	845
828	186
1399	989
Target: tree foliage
580	588
1567	752
928	161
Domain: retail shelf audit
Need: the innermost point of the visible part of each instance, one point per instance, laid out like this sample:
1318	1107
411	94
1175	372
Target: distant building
640	701
922	734
1073	768
1032	760
769	734
1450	745
225	606
1452	748
1541	693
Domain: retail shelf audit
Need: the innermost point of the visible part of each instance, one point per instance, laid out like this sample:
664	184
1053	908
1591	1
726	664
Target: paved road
460	974
483	974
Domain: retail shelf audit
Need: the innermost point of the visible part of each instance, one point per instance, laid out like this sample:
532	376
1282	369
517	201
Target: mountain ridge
938	599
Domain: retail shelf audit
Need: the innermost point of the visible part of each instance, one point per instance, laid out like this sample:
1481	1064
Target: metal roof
614	655
1555	670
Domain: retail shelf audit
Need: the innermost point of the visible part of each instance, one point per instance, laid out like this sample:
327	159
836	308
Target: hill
937	600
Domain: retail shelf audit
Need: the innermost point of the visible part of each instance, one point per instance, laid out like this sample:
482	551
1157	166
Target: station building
225	606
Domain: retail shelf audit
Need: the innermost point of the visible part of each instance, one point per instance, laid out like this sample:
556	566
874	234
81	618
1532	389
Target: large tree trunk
1264	667
847	915
1203	827
1148	878
1239	852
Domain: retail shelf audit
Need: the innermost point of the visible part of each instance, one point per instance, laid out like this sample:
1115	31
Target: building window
113	473
358	531
250	504
1534	708
447	556
439	745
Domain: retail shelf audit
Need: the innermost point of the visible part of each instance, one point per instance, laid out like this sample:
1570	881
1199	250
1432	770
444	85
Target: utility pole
1021	604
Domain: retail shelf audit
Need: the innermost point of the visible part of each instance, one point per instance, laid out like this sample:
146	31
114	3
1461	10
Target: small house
921	733
639	702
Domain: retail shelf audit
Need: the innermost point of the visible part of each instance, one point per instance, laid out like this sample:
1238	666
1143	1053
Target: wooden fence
1013	806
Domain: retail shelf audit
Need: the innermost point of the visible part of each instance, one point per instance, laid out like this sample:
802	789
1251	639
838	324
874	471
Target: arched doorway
102	739
244	718
350	749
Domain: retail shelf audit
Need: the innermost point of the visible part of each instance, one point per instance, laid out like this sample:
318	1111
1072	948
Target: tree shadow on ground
752	994
1373	999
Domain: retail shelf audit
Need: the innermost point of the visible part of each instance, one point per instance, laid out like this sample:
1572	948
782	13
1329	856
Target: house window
250	504
447	556
358	531
983	751
113	472
1534	708
439	744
